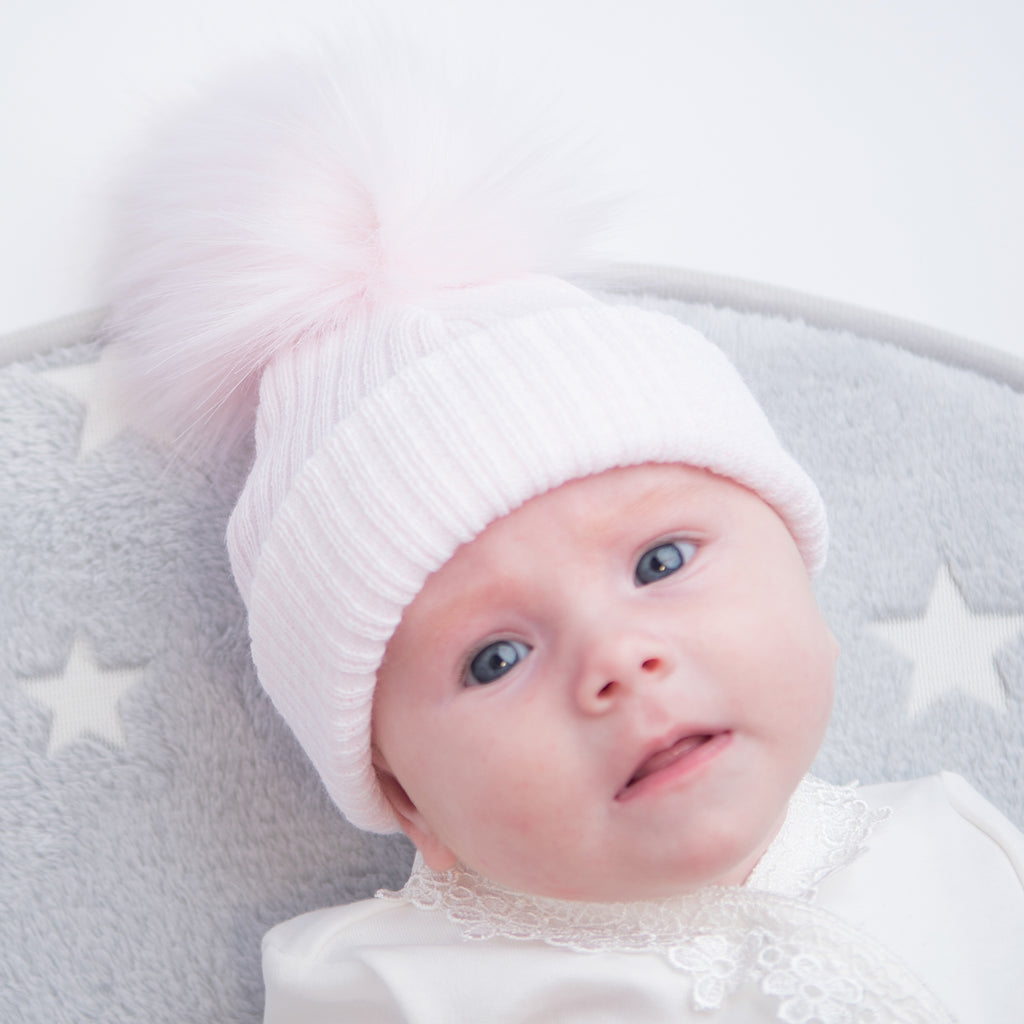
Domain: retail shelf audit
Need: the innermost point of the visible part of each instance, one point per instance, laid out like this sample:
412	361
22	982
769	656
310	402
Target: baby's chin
727	861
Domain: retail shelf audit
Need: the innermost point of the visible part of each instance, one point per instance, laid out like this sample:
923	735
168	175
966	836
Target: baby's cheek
519	774
523	788
820	660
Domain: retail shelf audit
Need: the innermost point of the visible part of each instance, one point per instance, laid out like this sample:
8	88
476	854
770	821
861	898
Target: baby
530	577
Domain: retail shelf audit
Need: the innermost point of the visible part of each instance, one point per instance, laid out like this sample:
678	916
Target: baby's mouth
683	748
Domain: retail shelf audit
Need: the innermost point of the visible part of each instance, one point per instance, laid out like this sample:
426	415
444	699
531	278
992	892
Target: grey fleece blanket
156	817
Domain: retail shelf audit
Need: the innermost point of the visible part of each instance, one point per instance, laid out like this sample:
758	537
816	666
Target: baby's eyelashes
495	660
663	560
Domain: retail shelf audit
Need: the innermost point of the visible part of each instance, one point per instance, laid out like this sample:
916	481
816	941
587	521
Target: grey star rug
155	815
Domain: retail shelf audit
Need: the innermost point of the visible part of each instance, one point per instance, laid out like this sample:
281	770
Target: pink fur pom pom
306	187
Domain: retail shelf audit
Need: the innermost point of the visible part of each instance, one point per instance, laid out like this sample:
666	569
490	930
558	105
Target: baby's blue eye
662	561
495	660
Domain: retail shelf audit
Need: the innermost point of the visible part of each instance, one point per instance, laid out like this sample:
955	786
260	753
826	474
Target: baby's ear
435	853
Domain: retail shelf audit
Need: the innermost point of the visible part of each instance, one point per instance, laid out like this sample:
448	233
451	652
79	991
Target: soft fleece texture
137	880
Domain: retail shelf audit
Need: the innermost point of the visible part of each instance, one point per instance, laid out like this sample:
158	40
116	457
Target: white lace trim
766	934
826	828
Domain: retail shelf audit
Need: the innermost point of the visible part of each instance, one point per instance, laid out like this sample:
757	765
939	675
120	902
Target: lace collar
767	933
826	828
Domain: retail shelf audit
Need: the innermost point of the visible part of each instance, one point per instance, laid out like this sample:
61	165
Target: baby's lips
666	751
668	756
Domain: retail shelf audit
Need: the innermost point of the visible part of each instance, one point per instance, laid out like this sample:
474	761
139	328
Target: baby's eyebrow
474	595
654	498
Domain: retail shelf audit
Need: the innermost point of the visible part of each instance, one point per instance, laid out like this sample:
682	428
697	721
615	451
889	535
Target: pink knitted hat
360	247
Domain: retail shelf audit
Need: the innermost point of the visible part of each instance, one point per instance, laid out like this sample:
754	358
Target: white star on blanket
83	699
82	381
953	648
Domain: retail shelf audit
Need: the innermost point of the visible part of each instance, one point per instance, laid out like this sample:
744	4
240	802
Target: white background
871	152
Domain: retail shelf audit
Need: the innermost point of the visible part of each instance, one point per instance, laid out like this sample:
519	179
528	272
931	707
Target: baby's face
611	693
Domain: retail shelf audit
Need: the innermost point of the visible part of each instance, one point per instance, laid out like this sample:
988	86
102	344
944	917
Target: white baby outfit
898	902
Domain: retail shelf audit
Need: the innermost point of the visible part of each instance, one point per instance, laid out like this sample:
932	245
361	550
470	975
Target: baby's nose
619	663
